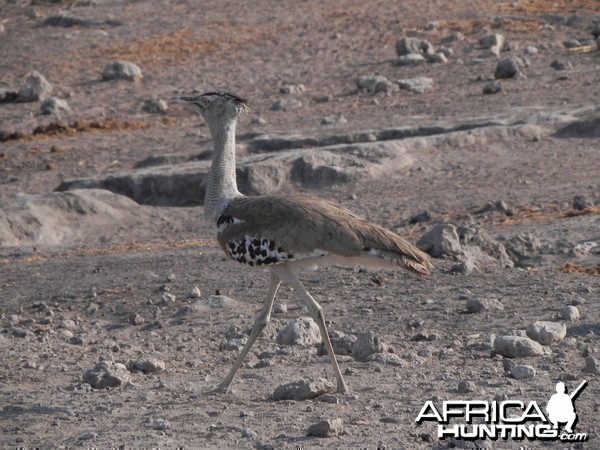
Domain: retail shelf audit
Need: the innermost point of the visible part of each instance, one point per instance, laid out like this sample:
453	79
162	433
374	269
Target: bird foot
343	389
218	390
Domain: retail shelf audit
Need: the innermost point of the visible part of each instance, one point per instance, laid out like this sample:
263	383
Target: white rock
547	333
54	105
121	70
492	40
326	428
367	344
302	331
302	389
475	305
442	240
412	59
34	88
569	312
516	346
522	372
419	84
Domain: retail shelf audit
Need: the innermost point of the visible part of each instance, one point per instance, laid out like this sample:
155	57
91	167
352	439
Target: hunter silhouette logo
509	419
560	406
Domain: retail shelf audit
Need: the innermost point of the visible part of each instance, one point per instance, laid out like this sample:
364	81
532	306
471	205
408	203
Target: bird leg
259	324
316	312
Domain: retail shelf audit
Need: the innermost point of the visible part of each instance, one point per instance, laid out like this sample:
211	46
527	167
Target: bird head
215	106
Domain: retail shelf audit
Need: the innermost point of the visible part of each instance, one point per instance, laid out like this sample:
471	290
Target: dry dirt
67	303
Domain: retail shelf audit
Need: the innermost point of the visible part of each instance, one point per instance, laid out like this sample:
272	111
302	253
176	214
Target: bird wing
302	224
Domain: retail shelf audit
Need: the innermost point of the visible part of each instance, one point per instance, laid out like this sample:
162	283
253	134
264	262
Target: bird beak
179	99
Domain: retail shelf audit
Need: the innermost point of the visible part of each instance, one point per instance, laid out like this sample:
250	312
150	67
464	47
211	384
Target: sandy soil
65	307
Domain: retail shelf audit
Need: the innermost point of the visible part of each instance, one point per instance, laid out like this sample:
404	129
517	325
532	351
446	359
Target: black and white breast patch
257	252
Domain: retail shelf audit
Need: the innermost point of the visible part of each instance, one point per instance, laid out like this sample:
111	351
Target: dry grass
576	268
61	128
183	45
554	6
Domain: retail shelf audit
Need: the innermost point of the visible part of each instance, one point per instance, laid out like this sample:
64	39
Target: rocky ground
469	127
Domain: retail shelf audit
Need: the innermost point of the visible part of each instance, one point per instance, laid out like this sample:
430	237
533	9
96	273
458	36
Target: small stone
570	313
302	389
121	70
547	333
457	36
168	298
524	249
155	106
335	119
423	216
30	365
522	372
342	343
592	365
292	89
375	83
76	340
302	331
411	45
146	365
196	292
510	67
596	30
531	50
442	240
219	302
54	105
68	324
517	347
367	344
437	58
259	120
136	319
572	43
411	59
87	436
492	40
465	387
161	424
249	433
581	202
475	305
34	88
106	374
492	87
464	267
560	64
418	85
326	428
286	103
280	308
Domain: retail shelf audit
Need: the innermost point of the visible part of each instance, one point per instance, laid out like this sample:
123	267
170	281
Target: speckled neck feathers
222	184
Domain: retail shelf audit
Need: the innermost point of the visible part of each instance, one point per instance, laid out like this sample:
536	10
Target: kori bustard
286	233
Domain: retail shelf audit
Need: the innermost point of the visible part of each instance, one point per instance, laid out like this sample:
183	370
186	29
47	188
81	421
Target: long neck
222	185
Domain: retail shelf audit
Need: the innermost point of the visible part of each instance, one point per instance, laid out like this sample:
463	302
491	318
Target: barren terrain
103	242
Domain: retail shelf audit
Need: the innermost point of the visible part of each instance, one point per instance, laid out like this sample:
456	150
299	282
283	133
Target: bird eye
204	101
